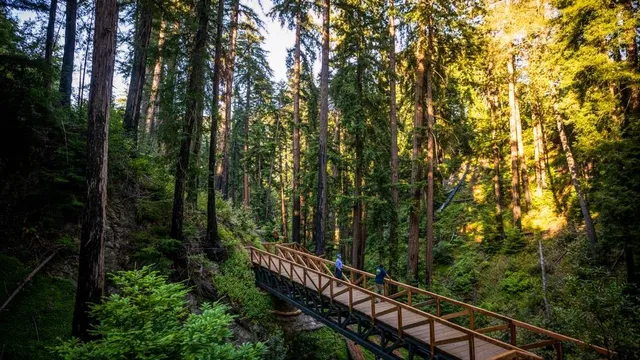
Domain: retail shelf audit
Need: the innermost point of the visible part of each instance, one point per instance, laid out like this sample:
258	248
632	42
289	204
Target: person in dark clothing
339	268
381	273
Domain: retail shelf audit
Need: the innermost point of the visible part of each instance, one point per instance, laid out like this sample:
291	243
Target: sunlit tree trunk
267	197
223	166
416	168
538	147
140	47
213	239
430	152
295	224
193	105
91	260
335	175
497	186
513	141
589	228
321	209
393	225
283	182
524	175
66	74
155	86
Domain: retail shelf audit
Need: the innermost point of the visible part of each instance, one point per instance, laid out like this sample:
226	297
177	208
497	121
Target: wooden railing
418	298
320	281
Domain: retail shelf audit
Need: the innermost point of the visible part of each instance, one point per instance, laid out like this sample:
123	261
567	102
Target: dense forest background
486	150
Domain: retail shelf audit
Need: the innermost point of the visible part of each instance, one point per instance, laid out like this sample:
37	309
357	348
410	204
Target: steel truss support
352	325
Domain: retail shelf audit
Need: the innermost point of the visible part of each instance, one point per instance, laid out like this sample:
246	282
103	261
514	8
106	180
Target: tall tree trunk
283	206
213	239
140	46
193	105
393	225
522	160
155	86
358	248
513	141
539	156
48	49
84	66
497	186
91	259
273	161
321	209
66	74
245	154
335	175
193	172
588	222
430	152
295	224
416	167
547	310
223	167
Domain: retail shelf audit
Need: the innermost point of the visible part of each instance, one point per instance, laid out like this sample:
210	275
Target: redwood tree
91	259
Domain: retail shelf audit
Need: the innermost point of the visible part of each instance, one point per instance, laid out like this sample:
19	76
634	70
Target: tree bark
430	152
48	49
84	67
358	248
66	74
522	160
335	174
416	168
547	310
141	44
393	225
267	199
194	104
213	239
155	86
295	224
497	185
91	260
513	141
245	154
283	206
321	209
539	153
223	167
589	228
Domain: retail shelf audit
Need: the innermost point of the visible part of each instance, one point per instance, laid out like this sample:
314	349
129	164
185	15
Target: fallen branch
455	190
26	280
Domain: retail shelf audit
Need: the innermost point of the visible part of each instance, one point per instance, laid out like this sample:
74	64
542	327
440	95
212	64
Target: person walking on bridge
339	267
381	273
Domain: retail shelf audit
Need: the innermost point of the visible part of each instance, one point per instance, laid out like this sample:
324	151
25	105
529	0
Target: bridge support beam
377	337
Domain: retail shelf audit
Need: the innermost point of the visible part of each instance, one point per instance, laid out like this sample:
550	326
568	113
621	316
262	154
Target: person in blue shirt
339	267
381	273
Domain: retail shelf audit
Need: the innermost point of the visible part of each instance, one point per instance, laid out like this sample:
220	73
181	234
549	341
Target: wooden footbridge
404	323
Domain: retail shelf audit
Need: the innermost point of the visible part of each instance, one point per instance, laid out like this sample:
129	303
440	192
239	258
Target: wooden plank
455	315
492	328
452	340
398	294
423	303
537	344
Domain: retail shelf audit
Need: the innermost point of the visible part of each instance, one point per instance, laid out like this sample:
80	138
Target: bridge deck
447	338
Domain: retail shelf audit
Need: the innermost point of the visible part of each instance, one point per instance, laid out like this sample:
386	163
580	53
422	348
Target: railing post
558	346
438	306
512	333
373	309
350	298
399	321
409	296
472	348
472	319
432	337
304	276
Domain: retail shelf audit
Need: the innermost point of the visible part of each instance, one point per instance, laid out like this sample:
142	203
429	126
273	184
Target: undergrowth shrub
149	319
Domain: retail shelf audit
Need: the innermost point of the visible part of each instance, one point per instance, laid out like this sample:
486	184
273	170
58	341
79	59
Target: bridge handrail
471	334
470	310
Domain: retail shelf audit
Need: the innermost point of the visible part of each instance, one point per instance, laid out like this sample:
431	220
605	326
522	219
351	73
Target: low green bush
149	319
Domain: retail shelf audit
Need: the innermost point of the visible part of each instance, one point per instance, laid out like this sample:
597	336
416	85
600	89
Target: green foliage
149	319
236	281
39	315
323	344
